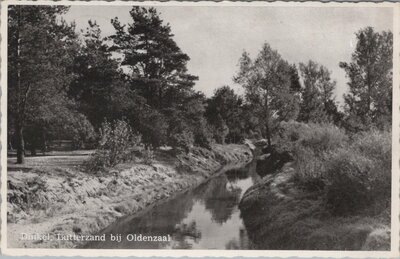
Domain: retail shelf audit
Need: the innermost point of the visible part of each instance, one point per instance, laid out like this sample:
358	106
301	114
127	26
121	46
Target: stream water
206	217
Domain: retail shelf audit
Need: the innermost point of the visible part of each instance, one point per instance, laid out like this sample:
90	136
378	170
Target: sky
215	37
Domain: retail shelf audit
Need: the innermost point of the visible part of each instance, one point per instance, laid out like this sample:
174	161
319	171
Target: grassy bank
335	195
65	200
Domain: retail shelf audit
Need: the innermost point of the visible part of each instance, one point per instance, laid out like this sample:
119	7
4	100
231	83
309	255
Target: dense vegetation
82	87
353	173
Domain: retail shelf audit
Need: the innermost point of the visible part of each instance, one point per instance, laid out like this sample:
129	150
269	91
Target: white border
394	253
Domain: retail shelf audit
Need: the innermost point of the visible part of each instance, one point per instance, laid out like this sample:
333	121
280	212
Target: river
206	217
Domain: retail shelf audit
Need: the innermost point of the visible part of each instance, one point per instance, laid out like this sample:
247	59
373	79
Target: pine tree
156	69
99	87
157	64
39	56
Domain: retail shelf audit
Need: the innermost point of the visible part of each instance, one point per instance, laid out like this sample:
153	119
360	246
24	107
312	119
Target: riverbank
278	214
333	194
67	201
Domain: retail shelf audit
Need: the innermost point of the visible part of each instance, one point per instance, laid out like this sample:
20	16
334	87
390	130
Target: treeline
66	85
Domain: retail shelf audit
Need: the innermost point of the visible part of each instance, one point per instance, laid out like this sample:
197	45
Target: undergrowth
352	172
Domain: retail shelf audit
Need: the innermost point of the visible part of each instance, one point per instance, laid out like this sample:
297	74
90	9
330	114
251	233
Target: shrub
348	188
309	144
203	137
359	175
98	161
354	173
182	141
153	125
317	137
80	130
309	169
376	146
115	145
324	137
148	156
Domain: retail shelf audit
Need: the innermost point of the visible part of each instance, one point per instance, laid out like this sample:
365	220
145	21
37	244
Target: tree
156	69
318	104
369	101
193	109
157	64
99	88
269	89
224	113
39	54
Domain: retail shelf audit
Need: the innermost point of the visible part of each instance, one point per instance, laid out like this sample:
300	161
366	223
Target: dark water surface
206	217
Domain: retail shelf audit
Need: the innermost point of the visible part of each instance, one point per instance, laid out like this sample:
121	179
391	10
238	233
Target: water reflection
204	218
220	197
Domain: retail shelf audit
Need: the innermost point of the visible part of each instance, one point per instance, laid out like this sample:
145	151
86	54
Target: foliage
224	113
347	188
157	64
309	143
359	175
182	141
40	50
80	130
317	104
353	173
269	89
148	155
317	137
155	67
98	80
192	114
153	125
115	145
369	101
203	136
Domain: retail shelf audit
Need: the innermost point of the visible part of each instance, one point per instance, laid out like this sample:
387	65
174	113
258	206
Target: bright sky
215	37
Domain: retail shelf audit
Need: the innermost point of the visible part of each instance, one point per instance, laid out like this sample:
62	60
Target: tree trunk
20	144
44	143
267	129
19	119
268	133
33	146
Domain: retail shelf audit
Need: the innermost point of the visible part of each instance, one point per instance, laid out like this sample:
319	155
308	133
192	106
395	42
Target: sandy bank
280	215
68	201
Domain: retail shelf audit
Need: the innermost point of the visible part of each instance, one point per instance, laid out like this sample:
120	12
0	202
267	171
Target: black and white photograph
192	126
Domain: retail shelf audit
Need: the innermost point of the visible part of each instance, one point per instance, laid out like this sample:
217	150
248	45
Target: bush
153	126
353	173
182	141
115	145
317	137
308	144
348	188
81	131
359	175
97	161
324	137
309	169
148	156
203	137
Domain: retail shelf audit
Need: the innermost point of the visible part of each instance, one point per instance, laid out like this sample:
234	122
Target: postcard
200	129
